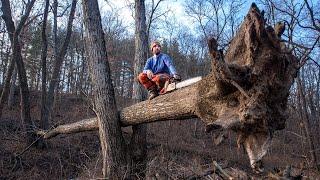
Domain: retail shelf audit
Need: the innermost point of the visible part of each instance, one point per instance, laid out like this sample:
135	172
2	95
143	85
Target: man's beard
157	53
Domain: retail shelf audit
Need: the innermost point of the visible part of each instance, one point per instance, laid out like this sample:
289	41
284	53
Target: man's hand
177	77
149	74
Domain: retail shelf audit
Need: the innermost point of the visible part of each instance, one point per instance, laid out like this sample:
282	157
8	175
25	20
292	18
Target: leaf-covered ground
176	149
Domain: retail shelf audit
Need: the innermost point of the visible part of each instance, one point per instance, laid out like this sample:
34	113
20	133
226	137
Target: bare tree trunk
6	63
55	28
111	139
17	56
44	124
78	85
138	143
24	92
82	84
6	83
317	104
152	14
305	118
71	73
12	88
58	62
178	105
2	55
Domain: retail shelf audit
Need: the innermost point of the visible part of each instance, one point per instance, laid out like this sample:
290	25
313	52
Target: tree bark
6	86
59	57
24	91
7	17
44	122
111	139
306	122
55	27
11	99
90	124
2	55
138	144
177	105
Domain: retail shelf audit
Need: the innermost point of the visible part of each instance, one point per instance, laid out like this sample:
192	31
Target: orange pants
156	83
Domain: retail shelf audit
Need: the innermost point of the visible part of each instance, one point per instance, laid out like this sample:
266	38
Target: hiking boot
152	94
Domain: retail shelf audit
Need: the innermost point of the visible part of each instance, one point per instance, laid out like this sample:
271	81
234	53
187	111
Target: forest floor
176	149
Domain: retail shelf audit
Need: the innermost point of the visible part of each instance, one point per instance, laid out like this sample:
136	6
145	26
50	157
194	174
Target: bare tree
121	52
3	49
44	122
215	18
304	115
59	57
12	89
111	139
154	14
139	136
17	57
298	17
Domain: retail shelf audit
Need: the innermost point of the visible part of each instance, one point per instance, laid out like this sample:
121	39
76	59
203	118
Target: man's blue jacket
161	63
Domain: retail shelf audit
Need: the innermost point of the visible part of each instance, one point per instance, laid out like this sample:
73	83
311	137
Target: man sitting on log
158	69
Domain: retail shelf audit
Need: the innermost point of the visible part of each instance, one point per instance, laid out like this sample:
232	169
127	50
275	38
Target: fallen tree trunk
173	106
246	91
177	105
79	126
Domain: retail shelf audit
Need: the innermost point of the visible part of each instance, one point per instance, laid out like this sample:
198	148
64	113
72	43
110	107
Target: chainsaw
171	84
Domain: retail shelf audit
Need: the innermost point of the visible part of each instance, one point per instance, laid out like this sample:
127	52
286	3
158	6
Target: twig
28	147
298	45
235	84
295	134
221	170
217	171
304	58
314	62
300	156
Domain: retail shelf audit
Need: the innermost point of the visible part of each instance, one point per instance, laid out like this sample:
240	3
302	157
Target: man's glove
177	77
149	74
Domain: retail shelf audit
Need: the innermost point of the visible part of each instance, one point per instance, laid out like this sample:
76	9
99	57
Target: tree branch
312	16
24	17
304	58
90	124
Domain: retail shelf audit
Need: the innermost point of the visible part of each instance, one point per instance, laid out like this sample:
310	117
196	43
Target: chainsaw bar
174	85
